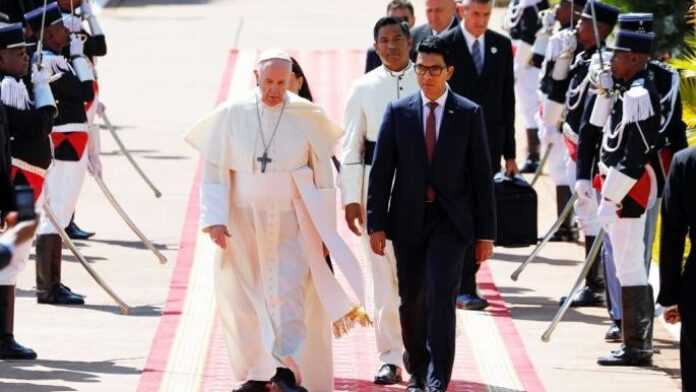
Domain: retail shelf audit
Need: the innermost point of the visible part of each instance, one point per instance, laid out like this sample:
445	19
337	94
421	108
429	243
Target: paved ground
164	70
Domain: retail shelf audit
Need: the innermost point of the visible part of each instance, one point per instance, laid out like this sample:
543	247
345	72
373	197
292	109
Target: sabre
561	218
39	45
127	219
542	163
589	261
596	33
66	240
122	147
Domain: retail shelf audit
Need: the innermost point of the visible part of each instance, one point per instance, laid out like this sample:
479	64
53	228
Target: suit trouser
385	287
688	353
429	274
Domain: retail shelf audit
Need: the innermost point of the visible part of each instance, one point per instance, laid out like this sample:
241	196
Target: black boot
75	232
49	289
284	381
9	348
568	232
532	163
637	327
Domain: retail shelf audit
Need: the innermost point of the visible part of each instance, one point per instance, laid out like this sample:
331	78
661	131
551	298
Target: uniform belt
369	152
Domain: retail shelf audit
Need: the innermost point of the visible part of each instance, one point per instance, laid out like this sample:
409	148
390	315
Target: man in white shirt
370	95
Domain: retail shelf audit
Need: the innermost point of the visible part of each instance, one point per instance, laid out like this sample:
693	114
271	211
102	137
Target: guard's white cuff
83	69
601	110
214	205
617	185
553	112
523	53
43	96
94	26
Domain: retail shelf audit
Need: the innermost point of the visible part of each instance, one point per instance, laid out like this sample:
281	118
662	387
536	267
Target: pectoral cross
264	160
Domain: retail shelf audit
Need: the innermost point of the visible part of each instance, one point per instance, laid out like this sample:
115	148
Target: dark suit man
483	72
677	280
442	17
432	148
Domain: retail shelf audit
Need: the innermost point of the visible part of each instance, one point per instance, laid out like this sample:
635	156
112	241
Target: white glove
548	134
584	189
86	8
40	77
607	213
72	23
553	50
548	19
77	47
605	81
569	42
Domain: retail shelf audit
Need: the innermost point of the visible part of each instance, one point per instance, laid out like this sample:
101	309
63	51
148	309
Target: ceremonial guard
367	101
627	108
560	52
580	88
530	23
28	121
70	138
94	46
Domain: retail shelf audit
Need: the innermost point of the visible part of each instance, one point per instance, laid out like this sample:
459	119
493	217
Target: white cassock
275	292
367	101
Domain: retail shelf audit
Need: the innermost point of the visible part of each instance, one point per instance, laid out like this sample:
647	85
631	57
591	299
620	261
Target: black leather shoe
76	233
530	166
613	334
626	357
471	302
253	386
415	385
284	381
10	349
586	298
60	295
388	375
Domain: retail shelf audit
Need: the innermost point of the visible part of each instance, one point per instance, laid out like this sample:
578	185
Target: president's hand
483	250
219	235
672	315
511	168
354	212
378	241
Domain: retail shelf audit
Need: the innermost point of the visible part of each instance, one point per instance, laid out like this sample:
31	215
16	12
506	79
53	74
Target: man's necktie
477	56
430	140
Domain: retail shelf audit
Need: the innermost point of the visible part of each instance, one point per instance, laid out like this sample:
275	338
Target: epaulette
13	93
637	105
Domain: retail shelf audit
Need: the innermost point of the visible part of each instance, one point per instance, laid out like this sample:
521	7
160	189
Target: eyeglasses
435	70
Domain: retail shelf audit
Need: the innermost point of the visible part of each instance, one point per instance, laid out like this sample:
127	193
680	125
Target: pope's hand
354	212
219	235
483	250
378	241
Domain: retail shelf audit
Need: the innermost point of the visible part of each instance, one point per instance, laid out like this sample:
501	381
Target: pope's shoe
284	381
388	375
253	386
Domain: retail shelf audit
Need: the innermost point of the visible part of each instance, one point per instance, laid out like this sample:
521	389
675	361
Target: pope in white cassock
268	202
365	107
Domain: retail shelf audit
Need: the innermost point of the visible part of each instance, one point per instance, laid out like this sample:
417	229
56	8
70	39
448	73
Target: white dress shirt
470	42
439	110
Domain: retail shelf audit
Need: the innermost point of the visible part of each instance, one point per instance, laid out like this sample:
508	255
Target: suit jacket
678	281
493	90
459	172
421	32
